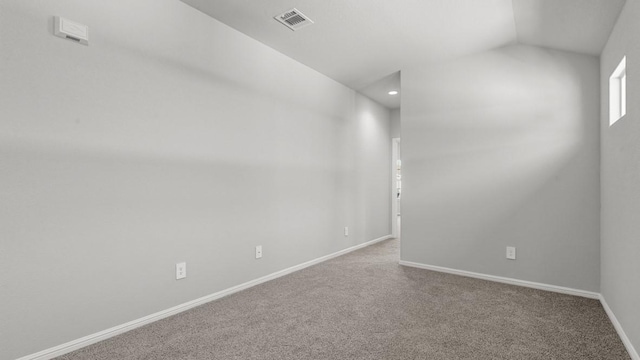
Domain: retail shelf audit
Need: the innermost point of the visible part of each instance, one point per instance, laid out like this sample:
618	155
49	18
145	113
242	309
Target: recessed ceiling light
393	92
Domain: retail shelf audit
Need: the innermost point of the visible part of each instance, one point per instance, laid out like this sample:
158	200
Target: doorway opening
396	188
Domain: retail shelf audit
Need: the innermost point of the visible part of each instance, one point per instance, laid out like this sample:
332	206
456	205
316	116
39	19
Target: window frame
618	92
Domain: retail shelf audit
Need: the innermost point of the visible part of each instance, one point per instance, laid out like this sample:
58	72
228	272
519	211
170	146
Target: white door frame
395	156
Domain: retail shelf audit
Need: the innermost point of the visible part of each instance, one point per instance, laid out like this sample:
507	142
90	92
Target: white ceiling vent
293	19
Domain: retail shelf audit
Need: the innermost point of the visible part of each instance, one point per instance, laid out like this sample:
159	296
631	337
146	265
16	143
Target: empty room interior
298	179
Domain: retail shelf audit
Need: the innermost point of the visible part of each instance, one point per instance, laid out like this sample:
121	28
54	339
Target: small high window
618	92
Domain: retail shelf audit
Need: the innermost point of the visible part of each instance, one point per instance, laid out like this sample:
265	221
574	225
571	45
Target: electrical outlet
511	253
258	251
181	270
346	231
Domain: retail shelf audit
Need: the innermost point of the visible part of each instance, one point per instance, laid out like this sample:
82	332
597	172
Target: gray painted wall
395	123
373	149
620	177
171	137
498	149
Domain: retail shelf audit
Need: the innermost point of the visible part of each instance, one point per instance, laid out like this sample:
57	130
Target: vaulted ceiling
364	43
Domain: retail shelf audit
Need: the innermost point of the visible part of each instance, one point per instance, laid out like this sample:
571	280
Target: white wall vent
293	19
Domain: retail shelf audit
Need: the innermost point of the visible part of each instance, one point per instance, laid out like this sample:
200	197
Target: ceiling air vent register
293	19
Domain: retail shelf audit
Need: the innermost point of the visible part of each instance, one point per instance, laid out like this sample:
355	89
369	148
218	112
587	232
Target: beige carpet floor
364	305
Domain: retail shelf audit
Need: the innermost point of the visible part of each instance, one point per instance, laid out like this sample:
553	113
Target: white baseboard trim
616	324
500	279
116	330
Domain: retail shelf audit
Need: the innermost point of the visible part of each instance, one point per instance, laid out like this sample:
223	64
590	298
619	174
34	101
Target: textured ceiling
361	42
379	90
581	26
